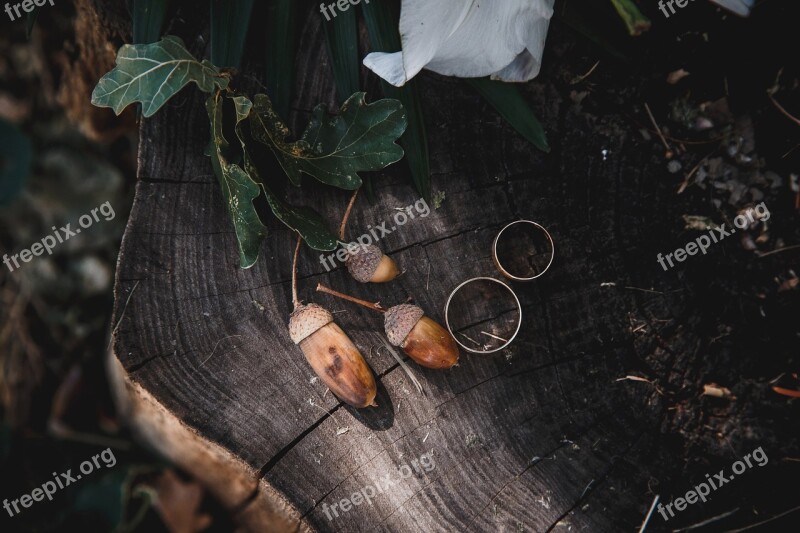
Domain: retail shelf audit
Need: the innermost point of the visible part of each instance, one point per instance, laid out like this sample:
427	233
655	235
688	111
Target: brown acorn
332	355
423	339
368	264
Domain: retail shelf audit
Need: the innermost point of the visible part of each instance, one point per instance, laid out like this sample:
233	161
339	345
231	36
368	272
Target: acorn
332	355
423	339
368	264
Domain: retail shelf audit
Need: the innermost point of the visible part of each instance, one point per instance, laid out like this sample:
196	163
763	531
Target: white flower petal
527	64
739	7
468	38
425	25
492	36
387	66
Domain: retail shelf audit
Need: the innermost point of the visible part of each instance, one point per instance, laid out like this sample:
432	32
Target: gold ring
508	274
447	317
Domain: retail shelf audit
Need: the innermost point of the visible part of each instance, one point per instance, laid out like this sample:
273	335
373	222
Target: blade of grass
229	22
148	19
341	35
415	140
596	22
382	20
632	17
30	20
508	101
281	50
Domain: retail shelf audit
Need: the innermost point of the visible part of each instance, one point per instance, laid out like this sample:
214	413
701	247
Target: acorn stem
376	306
347	214
295	300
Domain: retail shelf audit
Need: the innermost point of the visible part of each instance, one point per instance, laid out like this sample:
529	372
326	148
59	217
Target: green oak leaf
152	74
238	188
304	220
334	148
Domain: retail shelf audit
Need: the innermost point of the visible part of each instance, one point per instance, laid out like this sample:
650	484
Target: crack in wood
561	445
595	483
275	459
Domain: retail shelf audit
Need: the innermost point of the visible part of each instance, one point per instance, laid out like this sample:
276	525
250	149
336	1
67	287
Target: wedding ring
488	339
521	264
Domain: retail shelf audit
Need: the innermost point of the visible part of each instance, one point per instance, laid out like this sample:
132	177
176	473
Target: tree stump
536	437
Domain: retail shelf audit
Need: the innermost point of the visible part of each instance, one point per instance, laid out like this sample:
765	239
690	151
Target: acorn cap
400	320
306	319
363	261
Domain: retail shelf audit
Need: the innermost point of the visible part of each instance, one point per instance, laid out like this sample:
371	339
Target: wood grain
537	437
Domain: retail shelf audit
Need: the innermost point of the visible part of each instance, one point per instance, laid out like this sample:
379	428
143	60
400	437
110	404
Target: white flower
740	7
503	39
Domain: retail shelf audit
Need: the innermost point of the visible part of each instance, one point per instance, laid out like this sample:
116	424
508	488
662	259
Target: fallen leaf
712	389
676	75
787	392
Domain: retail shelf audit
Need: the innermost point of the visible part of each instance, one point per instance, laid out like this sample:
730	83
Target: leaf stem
347	214
376	306
295	300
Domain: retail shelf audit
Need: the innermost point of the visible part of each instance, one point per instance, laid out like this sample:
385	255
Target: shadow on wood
541	435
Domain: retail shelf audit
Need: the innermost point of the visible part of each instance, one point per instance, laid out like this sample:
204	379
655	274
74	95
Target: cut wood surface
541	436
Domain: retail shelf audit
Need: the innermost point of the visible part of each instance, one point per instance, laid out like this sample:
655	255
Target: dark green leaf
229	22
597	22
631	16
238	188
382	19
415	139
15	161
305	221
341	34
281	30
30	20
508	101
152	74
148	19
333	149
